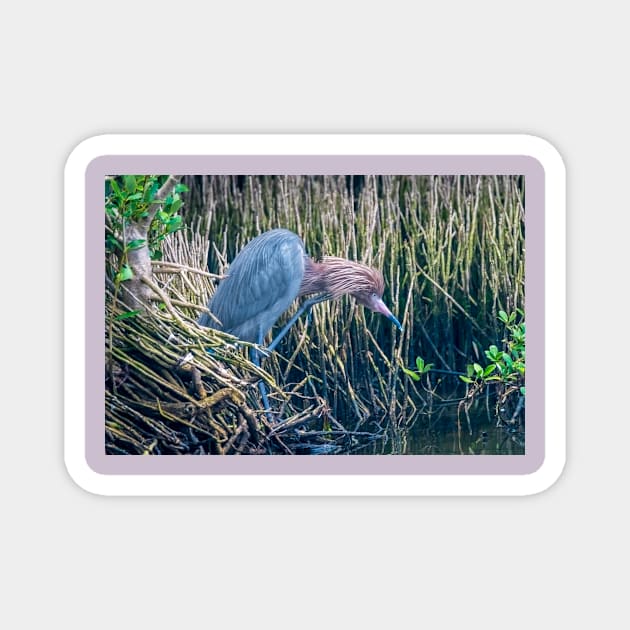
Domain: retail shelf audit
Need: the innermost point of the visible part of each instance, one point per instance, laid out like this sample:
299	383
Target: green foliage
421	368
505	368
128	199
505	365
127	314
124	273
505	371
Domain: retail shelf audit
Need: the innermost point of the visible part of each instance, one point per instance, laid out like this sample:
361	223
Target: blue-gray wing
262	282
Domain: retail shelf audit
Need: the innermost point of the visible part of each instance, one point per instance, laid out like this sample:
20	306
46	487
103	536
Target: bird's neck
315	278
335	276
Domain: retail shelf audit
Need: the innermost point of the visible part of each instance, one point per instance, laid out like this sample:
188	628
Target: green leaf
125	273
174	224
112	243
465	378
149	192
175	206
491	368
134	197
503	316
492	353
136	243
127	315
181	188
420	364
411	373
523	390
130	183
115	187
478	369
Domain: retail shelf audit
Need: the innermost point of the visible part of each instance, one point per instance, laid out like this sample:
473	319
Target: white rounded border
315	144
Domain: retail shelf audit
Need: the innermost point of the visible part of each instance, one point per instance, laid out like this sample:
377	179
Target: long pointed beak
378	306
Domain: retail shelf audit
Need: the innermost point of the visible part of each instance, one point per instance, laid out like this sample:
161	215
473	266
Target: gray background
71	70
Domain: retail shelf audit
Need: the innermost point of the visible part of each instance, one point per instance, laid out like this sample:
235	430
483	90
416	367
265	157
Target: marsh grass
451	250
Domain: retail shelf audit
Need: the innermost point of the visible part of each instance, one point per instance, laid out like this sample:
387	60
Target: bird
270	273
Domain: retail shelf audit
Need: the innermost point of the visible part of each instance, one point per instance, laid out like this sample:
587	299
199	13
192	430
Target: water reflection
443	432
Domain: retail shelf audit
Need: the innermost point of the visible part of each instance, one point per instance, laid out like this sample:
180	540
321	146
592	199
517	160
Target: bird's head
363	283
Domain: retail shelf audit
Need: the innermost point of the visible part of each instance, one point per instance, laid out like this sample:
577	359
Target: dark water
443	433
484	438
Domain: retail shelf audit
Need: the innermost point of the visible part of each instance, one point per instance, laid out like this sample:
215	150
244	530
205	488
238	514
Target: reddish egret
270	272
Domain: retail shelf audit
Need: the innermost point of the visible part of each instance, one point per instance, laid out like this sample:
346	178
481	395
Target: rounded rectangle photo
314	315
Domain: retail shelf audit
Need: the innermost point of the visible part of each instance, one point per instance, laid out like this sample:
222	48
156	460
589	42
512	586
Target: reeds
451	250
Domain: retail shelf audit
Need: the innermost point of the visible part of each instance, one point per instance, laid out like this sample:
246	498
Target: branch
167	266
163	297
164	191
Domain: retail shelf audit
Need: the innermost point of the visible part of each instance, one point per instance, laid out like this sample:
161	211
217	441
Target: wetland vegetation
344	380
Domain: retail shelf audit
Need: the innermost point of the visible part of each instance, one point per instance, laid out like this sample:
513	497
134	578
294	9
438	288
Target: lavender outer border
528	166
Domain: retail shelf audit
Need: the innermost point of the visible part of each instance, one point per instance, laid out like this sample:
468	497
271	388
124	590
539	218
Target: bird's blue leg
255	356
306	307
